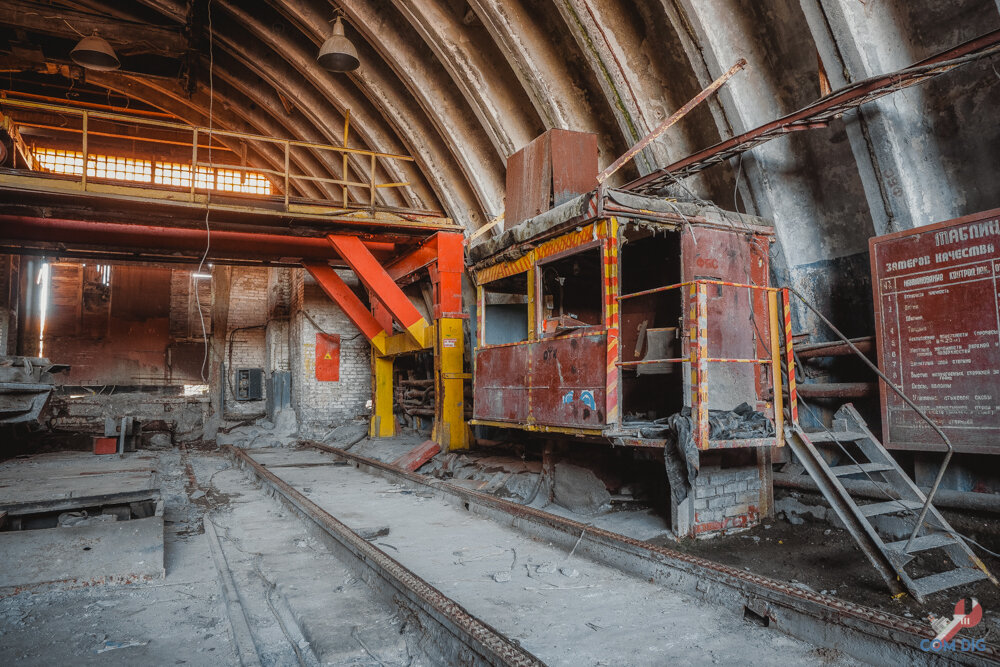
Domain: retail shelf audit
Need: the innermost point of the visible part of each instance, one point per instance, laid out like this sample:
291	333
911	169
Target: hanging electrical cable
208	196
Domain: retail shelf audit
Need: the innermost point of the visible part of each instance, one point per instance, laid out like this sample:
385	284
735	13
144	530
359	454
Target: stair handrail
906	399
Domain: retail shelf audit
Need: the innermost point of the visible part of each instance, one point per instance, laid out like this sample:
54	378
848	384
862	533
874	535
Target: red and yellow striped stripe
587	234
610	253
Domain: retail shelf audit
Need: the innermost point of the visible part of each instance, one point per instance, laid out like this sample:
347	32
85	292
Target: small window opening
571	292
505	308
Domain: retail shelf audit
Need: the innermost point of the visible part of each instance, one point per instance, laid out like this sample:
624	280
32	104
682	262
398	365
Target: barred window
174	174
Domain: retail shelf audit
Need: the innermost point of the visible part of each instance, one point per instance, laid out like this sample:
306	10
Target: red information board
327	357
937	310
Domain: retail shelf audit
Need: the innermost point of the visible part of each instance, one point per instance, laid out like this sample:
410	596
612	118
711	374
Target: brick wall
727	494
322	405
246	335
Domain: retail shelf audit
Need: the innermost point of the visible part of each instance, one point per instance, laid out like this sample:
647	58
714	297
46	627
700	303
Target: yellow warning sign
328	357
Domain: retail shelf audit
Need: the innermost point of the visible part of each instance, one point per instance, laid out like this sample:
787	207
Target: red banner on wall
327	357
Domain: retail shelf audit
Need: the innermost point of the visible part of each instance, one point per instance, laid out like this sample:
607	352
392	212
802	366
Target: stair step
949	579
890	507
835	436
854	469
923	543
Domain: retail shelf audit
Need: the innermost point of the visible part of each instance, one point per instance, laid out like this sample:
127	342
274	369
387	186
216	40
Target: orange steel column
451	431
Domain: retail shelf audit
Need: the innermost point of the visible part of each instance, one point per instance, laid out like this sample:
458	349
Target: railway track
510	621
455	636
667	576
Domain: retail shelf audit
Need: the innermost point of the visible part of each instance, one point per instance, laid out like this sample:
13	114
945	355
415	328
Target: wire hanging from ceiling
208	195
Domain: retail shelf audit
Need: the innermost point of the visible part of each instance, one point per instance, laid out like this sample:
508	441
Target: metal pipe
959	500
834	349
779	407
674	117
725	283
906	399
836	389
168	240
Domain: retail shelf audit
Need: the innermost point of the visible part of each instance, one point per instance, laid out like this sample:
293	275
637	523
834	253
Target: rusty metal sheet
732	332
501	390
551	170
529	182
936	292
574	164
568	380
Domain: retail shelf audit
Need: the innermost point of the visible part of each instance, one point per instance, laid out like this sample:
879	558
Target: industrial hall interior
499	332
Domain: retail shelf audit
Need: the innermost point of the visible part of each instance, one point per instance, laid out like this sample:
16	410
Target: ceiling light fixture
338	53
95	53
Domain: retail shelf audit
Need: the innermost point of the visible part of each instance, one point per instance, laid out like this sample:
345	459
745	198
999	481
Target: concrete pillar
9	286
896	151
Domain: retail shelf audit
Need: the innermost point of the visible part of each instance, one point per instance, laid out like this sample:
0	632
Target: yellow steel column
779	407
451	432
532	333
383	424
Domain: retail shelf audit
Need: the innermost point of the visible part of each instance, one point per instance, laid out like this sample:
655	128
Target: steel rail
863	632
477	643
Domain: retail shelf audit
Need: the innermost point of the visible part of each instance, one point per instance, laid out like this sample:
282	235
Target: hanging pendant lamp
338	53
95	53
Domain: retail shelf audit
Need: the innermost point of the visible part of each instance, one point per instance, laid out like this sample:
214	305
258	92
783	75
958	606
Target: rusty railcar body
603	317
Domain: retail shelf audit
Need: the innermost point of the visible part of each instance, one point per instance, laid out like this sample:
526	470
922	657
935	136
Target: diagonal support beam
341	294
375	278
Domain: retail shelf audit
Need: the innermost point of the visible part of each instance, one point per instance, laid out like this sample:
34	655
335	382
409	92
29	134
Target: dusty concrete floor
565	609
176	620
303	605
815	555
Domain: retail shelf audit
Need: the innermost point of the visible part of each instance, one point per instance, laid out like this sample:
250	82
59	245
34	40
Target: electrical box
249	384
327	357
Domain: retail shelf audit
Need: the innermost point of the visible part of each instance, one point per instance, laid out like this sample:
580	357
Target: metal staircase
903	499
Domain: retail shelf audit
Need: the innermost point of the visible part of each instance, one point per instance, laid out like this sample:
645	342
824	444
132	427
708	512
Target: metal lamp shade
337	53
95	53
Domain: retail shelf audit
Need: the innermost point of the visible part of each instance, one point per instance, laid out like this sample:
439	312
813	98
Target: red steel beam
444	255
72	233
450	267
341	294
371	273
421	257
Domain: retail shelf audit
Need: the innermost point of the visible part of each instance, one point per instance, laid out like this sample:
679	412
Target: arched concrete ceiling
462	84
